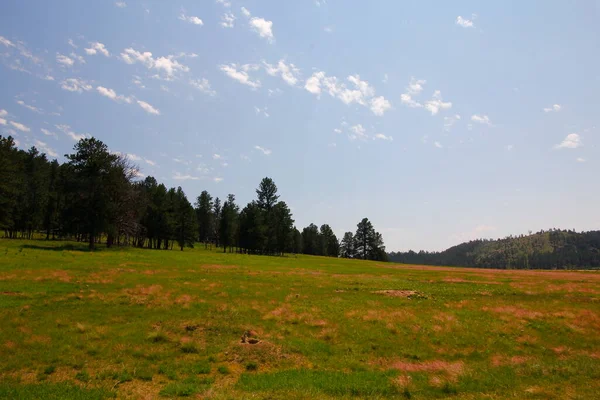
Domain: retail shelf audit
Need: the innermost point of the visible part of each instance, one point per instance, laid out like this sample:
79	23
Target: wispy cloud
240	74
465	23
95	48
75	85
19	126
191	19
66	129
266	152
572	141
553	108
148	108
111	94
45	148
202	85
481	119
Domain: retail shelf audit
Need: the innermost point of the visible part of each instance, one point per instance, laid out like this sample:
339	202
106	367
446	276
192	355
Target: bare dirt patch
452	370
407	294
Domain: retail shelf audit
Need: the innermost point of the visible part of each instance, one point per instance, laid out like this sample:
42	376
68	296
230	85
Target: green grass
120	322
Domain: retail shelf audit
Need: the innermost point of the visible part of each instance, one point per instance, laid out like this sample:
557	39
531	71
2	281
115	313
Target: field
130	323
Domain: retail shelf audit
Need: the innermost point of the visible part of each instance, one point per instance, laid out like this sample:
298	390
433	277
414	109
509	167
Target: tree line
546	249
94	196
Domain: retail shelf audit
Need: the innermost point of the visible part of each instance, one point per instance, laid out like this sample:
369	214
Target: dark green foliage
94	197
368	244
333	383
52	391
82	376
223	370
552	249
251	366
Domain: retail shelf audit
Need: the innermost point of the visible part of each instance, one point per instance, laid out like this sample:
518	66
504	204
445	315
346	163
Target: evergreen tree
347	246
204	214
92	164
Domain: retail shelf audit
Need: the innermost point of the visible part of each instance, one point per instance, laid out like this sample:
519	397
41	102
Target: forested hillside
97	197
552	249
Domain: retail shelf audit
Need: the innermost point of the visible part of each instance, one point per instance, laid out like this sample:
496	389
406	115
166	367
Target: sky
439	121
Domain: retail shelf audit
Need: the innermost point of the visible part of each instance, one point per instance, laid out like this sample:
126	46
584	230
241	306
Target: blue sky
439	122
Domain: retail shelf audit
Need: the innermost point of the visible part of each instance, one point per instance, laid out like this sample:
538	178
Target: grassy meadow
143	324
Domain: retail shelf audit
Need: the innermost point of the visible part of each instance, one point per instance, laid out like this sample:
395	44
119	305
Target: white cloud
263	27
379	105
30	107
580	159
572	141
66	129
554	108
47	132
288	72
510	147
361	94
438	145
72	44
2	121
482	119
227	20
191	19
313	84
75	85
150	162
358	132
407	100
148	108
216	156
45	148
64	60
328	29
436	104
79	58
240	74
20	126
120	4
383	137
246	12
3	113
111	94
97	47
266	152
180	177
169	65
203	85
450	121
138	81
225	3
217	179
465	23
6	42
262	111
414	88
337	130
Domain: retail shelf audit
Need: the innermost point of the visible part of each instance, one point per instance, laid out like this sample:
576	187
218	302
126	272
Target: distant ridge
551	249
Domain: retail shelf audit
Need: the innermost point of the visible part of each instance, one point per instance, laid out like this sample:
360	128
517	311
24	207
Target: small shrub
189	348
223	370
407	393
251	366
82	376
157	337
49	370
202	367
123	376
168	372
449	389
144	375
212	359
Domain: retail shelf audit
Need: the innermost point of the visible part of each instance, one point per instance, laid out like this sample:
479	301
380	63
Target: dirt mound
407	294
